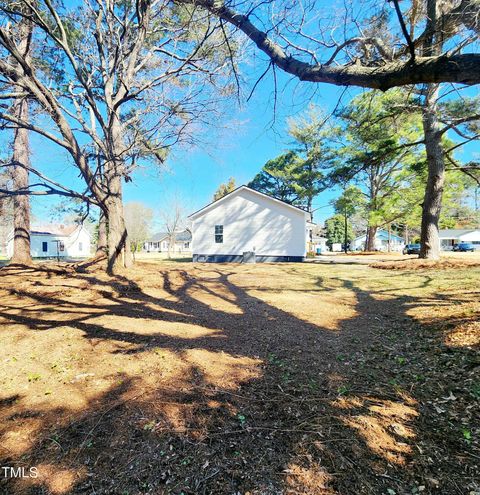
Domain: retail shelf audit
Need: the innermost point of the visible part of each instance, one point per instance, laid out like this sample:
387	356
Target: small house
248	222
57	241
450	237
384	241
160	242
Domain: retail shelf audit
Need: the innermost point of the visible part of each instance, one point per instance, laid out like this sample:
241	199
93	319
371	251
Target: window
44	247
186	245
80	246
61	246
219	234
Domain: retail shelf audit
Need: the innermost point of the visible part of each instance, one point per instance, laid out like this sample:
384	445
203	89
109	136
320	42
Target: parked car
411	249
463	247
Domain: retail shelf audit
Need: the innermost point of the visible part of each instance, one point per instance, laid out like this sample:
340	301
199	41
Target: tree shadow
263	400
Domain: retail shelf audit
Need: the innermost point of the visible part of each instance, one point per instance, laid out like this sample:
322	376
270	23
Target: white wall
471	236
380	244
77	245
446	244
251	222
163	247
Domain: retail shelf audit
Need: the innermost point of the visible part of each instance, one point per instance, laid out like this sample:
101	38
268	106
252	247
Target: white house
382	239
318	244
160	242
450	237
246	220
57	241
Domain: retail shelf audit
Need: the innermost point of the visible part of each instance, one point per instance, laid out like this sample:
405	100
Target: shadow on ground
199	385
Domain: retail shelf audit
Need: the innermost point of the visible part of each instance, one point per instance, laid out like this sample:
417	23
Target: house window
219	234
80	246
61	246
44	247
187	245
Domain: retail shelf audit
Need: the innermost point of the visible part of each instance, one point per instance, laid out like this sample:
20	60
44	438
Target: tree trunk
432	202
370	241
102	236
119	252
21	203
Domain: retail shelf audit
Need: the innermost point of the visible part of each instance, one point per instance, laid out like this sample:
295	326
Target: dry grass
260	379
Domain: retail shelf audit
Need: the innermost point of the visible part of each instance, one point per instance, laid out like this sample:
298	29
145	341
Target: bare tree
142	71
173	217
138	219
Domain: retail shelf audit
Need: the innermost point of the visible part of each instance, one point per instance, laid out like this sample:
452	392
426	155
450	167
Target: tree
6	211
21	162
335	231
378	49
98	60
224	189
174	221
288	178
347	205
138	219
312	136
381	155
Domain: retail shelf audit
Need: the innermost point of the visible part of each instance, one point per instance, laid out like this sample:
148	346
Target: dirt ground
267	379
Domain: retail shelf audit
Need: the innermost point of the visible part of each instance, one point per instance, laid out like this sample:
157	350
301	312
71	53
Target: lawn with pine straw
260	379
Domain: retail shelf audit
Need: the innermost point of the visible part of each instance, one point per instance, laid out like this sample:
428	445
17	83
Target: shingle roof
454	233
54	229
183	236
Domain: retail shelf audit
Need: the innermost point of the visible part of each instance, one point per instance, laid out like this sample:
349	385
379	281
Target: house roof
54	229
59	230
454	233
182	236
242	188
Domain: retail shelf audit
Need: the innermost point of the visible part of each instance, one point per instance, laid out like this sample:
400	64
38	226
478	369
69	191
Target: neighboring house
245	221
450	237
52	241
382	240
318	244
160	243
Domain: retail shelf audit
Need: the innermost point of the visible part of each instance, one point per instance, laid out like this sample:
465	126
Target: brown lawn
224	379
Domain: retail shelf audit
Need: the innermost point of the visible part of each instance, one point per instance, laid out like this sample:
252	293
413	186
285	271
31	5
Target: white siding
251	222
76	245
471	236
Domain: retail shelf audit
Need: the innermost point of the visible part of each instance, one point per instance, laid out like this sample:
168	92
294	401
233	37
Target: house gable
246	220
238	191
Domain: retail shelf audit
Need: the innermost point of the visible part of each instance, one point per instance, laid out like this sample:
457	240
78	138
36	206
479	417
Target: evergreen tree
224	189
288	178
